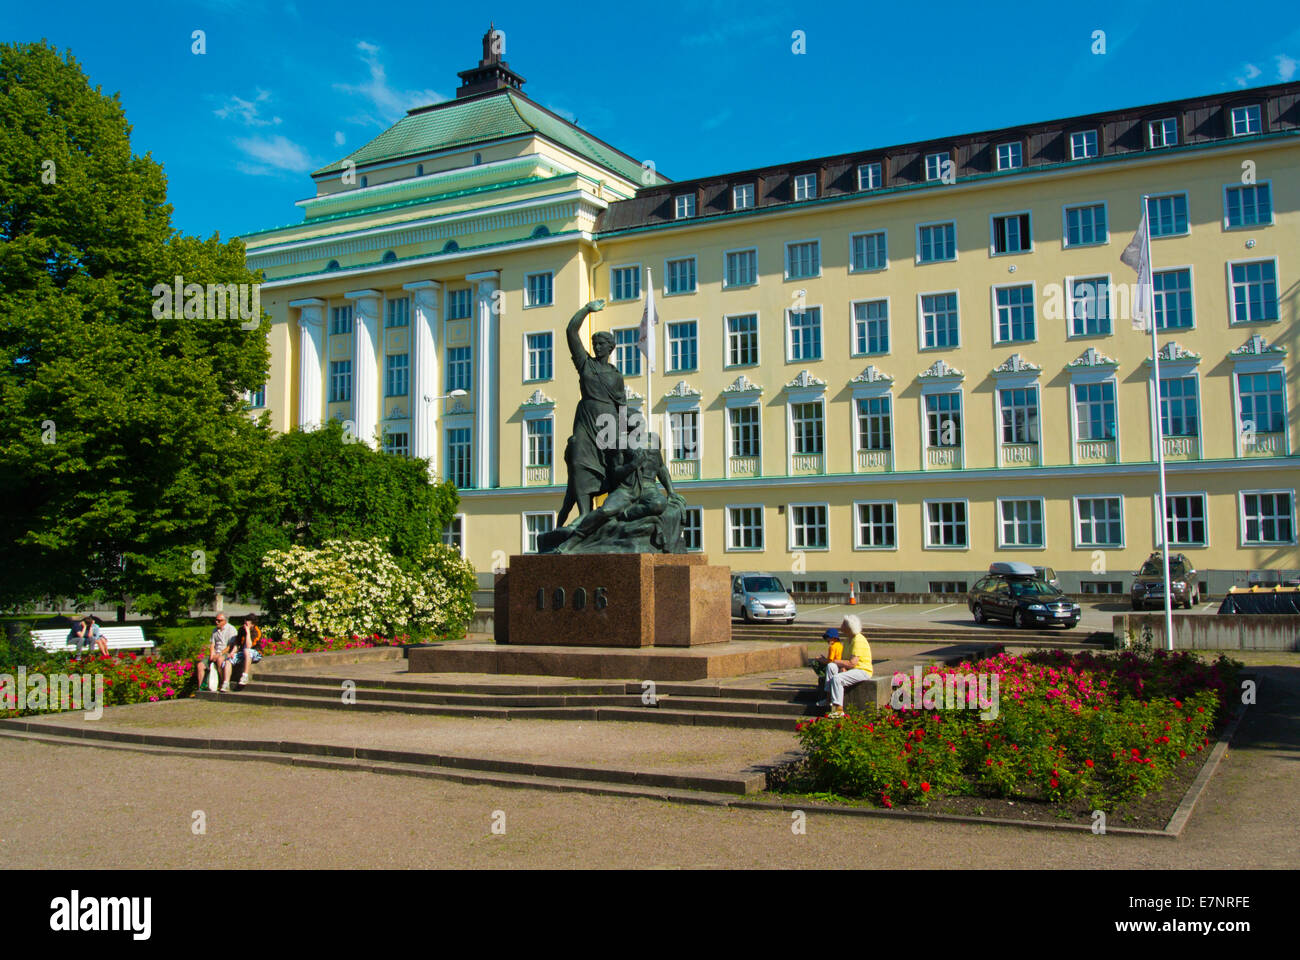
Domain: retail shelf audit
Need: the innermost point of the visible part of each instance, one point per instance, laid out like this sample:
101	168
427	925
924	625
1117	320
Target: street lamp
455	394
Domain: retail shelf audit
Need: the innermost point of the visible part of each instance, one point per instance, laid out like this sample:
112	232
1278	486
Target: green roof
502	114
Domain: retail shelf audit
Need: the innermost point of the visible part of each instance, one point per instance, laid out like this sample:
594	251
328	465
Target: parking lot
1096	615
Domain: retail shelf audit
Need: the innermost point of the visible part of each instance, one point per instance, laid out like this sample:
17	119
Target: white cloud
717	120
339	139
1286	67
387	103
248	112
278	153
1249	74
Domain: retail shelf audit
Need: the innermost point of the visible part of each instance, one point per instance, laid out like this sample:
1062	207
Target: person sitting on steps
844	673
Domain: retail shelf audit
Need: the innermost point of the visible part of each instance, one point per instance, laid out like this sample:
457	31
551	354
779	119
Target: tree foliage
126	449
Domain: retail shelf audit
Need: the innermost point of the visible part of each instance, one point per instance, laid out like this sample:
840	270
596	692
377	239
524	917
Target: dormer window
805	186
1163	133
1246	120
1010	156
685	205
1083	145
742	196
869	176
935	165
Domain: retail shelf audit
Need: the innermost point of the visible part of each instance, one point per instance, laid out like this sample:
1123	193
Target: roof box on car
1013	568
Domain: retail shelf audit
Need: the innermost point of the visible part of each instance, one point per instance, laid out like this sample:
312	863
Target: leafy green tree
126	447
317	486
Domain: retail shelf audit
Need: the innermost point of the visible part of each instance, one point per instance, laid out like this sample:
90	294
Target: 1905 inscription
599	599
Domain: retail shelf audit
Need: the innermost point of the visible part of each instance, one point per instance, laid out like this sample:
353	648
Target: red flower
1087	763
1054	783
925	787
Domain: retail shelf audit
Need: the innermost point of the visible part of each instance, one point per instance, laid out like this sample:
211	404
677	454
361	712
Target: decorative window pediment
1172	352
1016	365
1092	358
1256	347
941	371
680	390
804	381
742	384
872	374
538	399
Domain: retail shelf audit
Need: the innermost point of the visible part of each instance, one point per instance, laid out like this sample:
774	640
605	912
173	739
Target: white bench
116	638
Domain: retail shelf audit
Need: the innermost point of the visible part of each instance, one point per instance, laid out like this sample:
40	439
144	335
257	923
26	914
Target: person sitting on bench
854	669
87	631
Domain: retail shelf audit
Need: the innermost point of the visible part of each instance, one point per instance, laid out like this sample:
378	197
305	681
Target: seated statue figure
637	516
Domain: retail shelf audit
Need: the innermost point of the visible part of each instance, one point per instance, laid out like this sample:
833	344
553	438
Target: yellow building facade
888	368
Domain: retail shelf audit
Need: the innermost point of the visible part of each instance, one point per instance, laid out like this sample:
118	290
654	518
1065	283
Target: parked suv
757	596
1149	582
1013	591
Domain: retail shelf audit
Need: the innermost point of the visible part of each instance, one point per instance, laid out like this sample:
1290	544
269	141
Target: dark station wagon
1015	592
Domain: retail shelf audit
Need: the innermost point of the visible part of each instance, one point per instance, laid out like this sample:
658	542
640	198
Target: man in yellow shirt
855	668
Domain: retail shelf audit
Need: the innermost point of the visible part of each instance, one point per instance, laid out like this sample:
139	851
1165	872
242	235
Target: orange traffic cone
853	596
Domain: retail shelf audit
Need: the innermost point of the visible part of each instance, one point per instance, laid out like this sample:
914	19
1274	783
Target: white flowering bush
349	587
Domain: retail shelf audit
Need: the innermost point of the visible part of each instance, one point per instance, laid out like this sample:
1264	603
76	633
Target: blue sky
699	87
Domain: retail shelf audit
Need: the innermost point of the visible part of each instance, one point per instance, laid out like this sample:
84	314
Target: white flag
1138	256
645	338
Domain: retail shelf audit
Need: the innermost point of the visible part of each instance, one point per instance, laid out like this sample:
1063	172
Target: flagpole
1148	303
648	415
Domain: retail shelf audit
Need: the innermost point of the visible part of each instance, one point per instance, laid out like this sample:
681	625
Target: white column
486	388
311	340
365	364
426	302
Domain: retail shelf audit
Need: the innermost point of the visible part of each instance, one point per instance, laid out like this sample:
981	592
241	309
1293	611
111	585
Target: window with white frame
869	176
625	283
1083	144
685	428
742	196
809	527
742	340
538	290
459	303
746	435
1094	410
1254	291
1085	225
939	326
1163	133
683	346
741	268
745	528
1021	522
943	419
681	276
875	423
1089	306
876	527
459	368
540	356
399	313
340	320
1246	120
1268	517
459	457
398	444
805	186
1019	410
627	355
453	534
1171	294
1179	407
803	260
340	381
1248	205
257	398
1167	215
1015	313
1100	521
541	443
693	529
945	523
870	327
805	329
397	374
1185	519
685	205
936	242
936	165
1261	402
1011	155
536	524
807	423
1011	234
868	251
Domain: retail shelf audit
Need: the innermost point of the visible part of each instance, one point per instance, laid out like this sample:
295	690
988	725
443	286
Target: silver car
758	597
